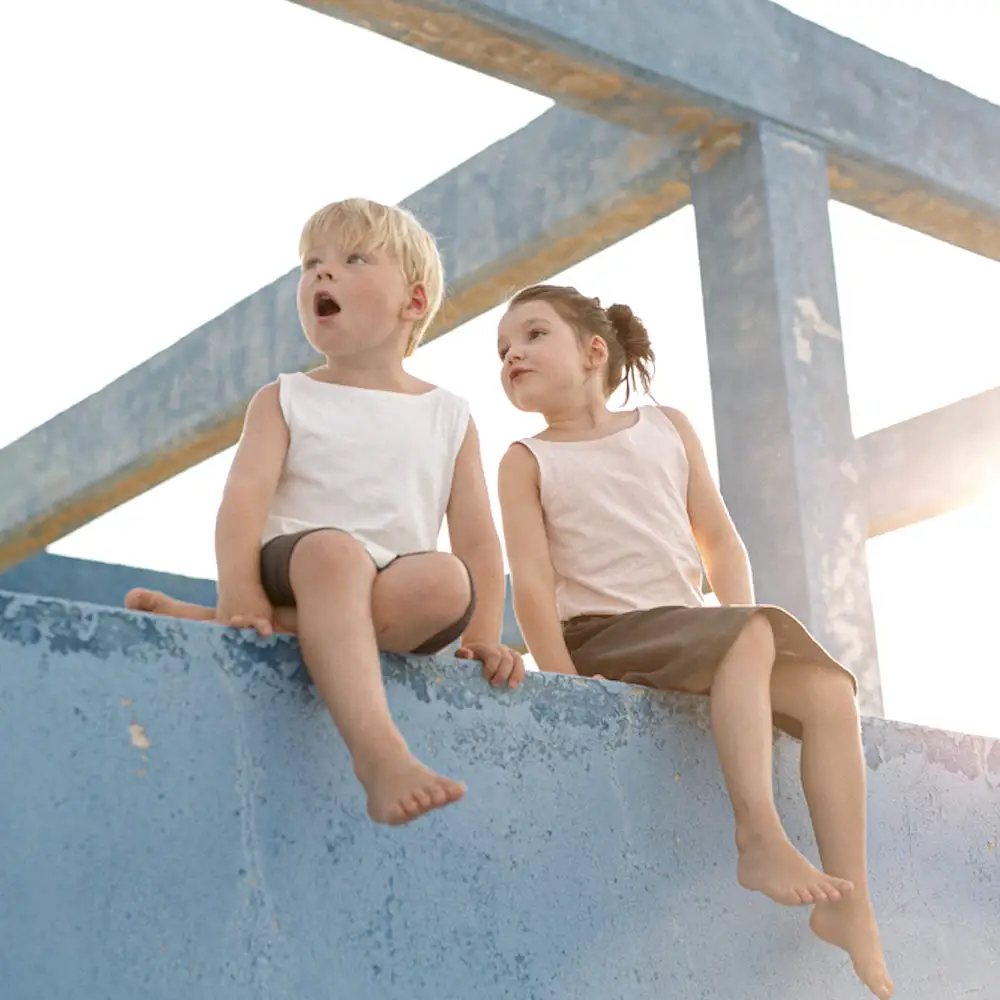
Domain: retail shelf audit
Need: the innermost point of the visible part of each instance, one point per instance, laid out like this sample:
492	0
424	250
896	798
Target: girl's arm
727	565
473	537
532	577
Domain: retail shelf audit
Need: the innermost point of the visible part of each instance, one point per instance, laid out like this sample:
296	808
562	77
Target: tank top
616	519
375	464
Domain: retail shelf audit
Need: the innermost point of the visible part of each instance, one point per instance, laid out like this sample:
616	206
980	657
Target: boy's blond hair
373	226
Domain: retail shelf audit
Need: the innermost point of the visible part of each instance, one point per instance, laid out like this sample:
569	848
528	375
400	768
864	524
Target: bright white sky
162	158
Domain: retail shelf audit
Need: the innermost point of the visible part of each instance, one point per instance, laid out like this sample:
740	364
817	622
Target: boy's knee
443	588
322	553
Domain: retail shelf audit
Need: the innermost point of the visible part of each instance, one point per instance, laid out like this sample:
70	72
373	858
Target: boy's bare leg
157	603
332	577
742	724
833	777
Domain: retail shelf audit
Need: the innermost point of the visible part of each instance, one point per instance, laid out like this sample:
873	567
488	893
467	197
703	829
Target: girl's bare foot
400	789
156	603
771	865
850	924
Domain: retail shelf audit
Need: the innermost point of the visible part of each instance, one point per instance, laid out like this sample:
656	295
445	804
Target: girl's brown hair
630	355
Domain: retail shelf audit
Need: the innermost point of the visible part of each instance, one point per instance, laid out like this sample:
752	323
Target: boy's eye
309	263
503	353
532	334
351	258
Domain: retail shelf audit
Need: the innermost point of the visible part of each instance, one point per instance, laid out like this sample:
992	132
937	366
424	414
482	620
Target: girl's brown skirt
662	647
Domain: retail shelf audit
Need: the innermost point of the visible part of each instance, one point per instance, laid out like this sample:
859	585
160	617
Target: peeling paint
137	734
807	325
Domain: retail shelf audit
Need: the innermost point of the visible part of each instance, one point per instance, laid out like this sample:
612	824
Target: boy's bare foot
400	789
850	924
774	867
156	603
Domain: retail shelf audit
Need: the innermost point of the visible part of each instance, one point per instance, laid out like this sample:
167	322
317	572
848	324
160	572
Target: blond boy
337	493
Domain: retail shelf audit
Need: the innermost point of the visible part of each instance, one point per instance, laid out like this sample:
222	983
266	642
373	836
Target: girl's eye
533	334
351	258
311	262
503	353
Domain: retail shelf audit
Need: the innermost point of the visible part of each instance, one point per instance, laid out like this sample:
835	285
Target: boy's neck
368	373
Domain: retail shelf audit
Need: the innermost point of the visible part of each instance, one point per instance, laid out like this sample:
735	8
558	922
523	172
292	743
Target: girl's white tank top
616	519
376	464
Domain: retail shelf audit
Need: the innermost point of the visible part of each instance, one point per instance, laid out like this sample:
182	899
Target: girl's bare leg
156	603
833	778
741	722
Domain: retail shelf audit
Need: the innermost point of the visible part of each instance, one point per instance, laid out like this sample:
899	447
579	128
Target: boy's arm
727	565
474	540
250	486
532	575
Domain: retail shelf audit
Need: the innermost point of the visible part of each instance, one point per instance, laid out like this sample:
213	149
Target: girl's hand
501	665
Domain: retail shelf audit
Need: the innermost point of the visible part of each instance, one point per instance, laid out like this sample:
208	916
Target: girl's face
544	365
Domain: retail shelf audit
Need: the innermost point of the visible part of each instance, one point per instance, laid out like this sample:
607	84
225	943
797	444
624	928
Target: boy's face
353	300
543	362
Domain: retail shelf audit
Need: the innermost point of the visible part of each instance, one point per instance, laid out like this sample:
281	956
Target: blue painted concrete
179	820
48	575
789	465
916	150
564	187
71	579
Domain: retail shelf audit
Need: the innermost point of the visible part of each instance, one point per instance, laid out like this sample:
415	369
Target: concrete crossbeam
932	463
905	146
561	189
787	454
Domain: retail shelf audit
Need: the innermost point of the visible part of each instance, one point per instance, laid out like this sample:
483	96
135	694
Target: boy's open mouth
324	305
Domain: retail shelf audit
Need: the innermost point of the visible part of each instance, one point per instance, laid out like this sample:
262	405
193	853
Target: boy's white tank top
376	464
616	519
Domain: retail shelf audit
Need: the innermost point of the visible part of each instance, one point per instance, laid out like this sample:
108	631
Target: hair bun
630	331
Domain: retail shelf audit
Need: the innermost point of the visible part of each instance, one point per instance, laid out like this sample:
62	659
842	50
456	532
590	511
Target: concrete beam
786	450
905	146
932	463
553	194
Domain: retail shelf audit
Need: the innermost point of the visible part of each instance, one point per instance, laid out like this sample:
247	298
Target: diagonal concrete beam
561	189
932	463
903	145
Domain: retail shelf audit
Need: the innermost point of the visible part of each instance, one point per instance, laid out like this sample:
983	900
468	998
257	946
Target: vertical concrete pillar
787	453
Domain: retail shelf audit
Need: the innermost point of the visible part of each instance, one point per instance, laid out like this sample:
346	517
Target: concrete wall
178	820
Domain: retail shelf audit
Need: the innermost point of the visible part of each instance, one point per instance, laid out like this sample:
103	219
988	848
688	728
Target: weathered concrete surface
788	462
932	463
559	190
905	145
179	820
69	579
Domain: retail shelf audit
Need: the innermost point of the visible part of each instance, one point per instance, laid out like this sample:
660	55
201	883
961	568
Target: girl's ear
597	352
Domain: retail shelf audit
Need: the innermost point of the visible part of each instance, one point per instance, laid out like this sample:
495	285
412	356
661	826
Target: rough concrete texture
789	465
564	187
70	579
910	148
179	820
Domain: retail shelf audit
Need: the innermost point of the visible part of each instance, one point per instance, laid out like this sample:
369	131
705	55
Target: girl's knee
829	694
756	638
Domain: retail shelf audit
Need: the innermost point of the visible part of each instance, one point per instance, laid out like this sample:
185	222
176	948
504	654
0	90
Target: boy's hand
501	665
247	607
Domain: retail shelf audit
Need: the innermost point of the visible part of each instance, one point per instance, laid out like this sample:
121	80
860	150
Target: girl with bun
609	517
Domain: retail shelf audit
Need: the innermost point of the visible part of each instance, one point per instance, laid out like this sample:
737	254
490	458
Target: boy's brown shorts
275	559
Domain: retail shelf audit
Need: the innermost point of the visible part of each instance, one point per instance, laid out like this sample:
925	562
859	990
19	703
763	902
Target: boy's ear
416	307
